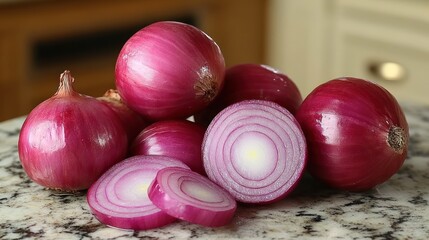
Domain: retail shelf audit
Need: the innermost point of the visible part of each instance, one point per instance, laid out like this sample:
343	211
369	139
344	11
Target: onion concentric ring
192	197
256	150
119	198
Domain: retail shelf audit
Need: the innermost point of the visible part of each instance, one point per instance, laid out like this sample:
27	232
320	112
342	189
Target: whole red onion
169	70
256	81
70	140
132	121
356	132
179	139
253	81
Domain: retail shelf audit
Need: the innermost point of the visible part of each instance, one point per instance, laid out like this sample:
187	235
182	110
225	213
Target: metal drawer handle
388	71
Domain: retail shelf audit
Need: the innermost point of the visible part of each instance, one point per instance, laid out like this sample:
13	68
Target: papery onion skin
169	70
132	121
192	197
256	150
114	205
180	139
356	131
253	81
70	139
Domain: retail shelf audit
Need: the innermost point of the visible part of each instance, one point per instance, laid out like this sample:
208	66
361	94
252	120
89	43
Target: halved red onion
180	139
255	149
169	70
253	81
356	131
120	197
191	197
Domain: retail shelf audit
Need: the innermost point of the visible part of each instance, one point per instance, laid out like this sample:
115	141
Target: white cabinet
386	41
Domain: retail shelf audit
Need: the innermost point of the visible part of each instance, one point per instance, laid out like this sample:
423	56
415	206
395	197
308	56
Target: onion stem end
396	139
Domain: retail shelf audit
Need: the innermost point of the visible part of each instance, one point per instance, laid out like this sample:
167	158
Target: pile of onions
68	141
169	70
356	131
255	149
253	81
179	139
132	121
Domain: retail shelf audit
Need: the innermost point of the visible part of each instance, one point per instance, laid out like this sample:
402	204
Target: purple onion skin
70	140
179	139
356	132
253	81
169	70
132	121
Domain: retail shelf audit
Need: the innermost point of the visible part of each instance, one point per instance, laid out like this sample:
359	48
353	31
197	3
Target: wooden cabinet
386	41
40	39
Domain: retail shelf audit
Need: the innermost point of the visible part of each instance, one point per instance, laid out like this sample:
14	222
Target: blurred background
386	41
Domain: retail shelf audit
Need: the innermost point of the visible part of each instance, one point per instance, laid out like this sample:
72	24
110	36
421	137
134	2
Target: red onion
169	70
70	139
253	81
356	131
180	139
191	197
132	121
120	197
255	149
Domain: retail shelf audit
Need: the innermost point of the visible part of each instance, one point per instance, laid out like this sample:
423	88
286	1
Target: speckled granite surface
397	209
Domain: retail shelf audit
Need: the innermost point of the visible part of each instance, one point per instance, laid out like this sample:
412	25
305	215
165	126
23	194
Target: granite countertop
398	209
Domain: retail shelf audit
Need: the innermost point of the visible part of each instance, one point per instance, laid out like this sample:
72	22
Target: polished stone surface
398	209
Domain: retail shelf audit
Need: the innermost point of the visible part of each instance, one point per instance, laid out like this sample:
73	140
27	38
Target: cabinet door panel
364	57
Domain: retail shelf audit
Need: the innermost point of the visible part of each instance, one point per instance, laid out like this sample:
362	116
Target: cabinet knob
388	71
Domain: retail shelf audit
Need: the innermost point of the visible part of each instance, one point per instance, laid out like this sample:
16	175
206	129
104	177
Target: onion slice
119	198
192	197
256	150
